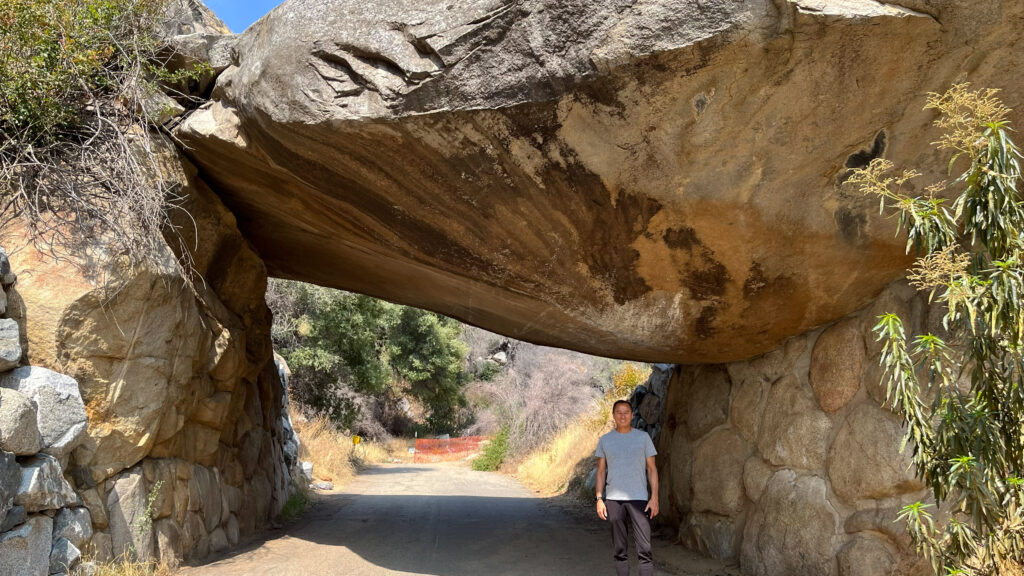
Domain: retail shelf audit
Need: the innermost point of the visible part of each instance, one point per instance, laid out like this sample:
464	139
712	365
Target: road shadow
448	535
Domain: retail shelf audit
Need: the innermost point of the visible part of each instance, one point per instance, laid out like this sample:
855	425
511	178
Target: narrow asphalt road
443	520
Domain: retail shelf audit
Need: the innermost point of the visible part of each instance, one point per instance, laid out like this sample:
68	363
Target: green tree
427	353
345	347
961	393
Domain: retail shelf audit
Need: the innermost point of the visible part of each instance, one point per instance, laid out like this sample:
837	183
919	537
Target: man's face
622	414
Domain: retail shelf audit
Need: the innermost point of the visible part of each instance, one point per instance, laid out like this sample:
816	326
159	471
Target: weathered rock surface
795	431
623	170
60	413
10	480
718	473
176	378
709	404
130	534
865	460
15	516
25	551
821	492
74	525
19	432
64	556
10	341
806	547
866	555
42	486
836	365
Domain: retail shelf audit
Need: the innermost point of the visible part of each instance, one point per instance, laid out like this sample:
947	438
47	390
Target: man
627	455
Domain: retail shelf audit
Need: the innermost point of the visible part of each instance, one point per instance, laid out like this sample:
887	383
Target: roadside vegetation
367	366
960	387
561	465
78	159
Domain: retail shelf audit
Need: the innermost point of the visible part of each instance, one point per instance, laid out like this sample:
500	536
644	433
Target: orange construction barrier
447	449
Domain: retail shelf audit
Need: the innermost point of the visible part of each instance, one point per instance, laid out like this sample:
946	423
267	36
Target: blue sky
238	14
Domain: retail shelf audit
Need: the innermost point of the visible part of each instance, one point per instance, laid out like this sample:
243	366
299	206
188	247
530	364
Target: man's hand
602	510
652	505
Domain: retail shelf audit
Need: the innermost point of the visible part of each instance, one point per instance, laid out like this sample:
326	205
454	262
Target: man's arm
652	479
602	468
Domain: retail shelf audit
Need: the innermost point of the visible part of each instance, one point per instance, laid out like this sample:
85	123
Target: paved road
443	520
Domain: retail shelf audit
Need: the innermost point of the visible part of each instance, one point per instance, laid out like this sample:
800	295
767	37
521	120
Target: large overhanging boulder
651	179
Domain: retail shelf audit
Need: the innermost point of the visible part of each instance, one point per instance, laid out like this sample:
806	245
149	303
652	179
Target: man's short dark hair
626	402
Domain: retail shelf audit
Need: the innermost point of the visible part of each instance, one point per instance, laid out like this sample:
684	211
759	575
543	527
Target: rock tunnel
652	180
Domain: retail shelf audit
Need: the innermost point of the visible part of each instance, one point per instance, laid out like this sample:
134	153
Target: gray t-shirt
626	456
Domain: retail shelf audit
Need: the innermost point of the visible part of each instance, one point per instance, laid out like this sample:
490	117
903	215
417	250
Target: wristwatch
599	498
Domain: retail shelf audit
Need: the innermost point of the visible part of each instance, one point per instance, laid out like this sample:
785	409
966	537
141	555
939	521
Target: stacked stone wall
182	446
788	463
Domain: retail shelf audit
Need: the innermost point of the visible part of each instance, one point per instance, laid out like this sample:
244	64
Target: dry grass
129	568
332	453
562	464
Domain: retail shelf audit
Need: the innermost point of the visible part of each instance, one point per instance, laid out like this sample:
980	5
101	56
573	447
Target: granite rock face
656	179
150	379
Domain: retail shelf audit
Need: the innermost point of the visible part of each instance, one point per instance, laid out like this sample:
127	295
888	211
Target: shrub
76	156
493	454
296	504
967	442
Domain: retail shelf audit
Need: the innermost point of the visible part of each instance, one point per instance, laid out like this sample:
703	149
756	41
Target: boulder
794	430
25	551
836	365
42	486
884	519
92	499
7	277
793	529
102	547
19	431
718	465
16	515
557	185
715	536
169	549
60	412
74	525
232	531
10	480
650	408
131	530
218	540
10	342
747	406
680	470
64	556
709	400
866	555
756	474
865	461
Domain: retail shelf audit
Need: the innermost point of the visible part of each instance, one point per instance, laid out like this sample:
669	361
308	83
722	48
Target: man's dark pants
621	512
